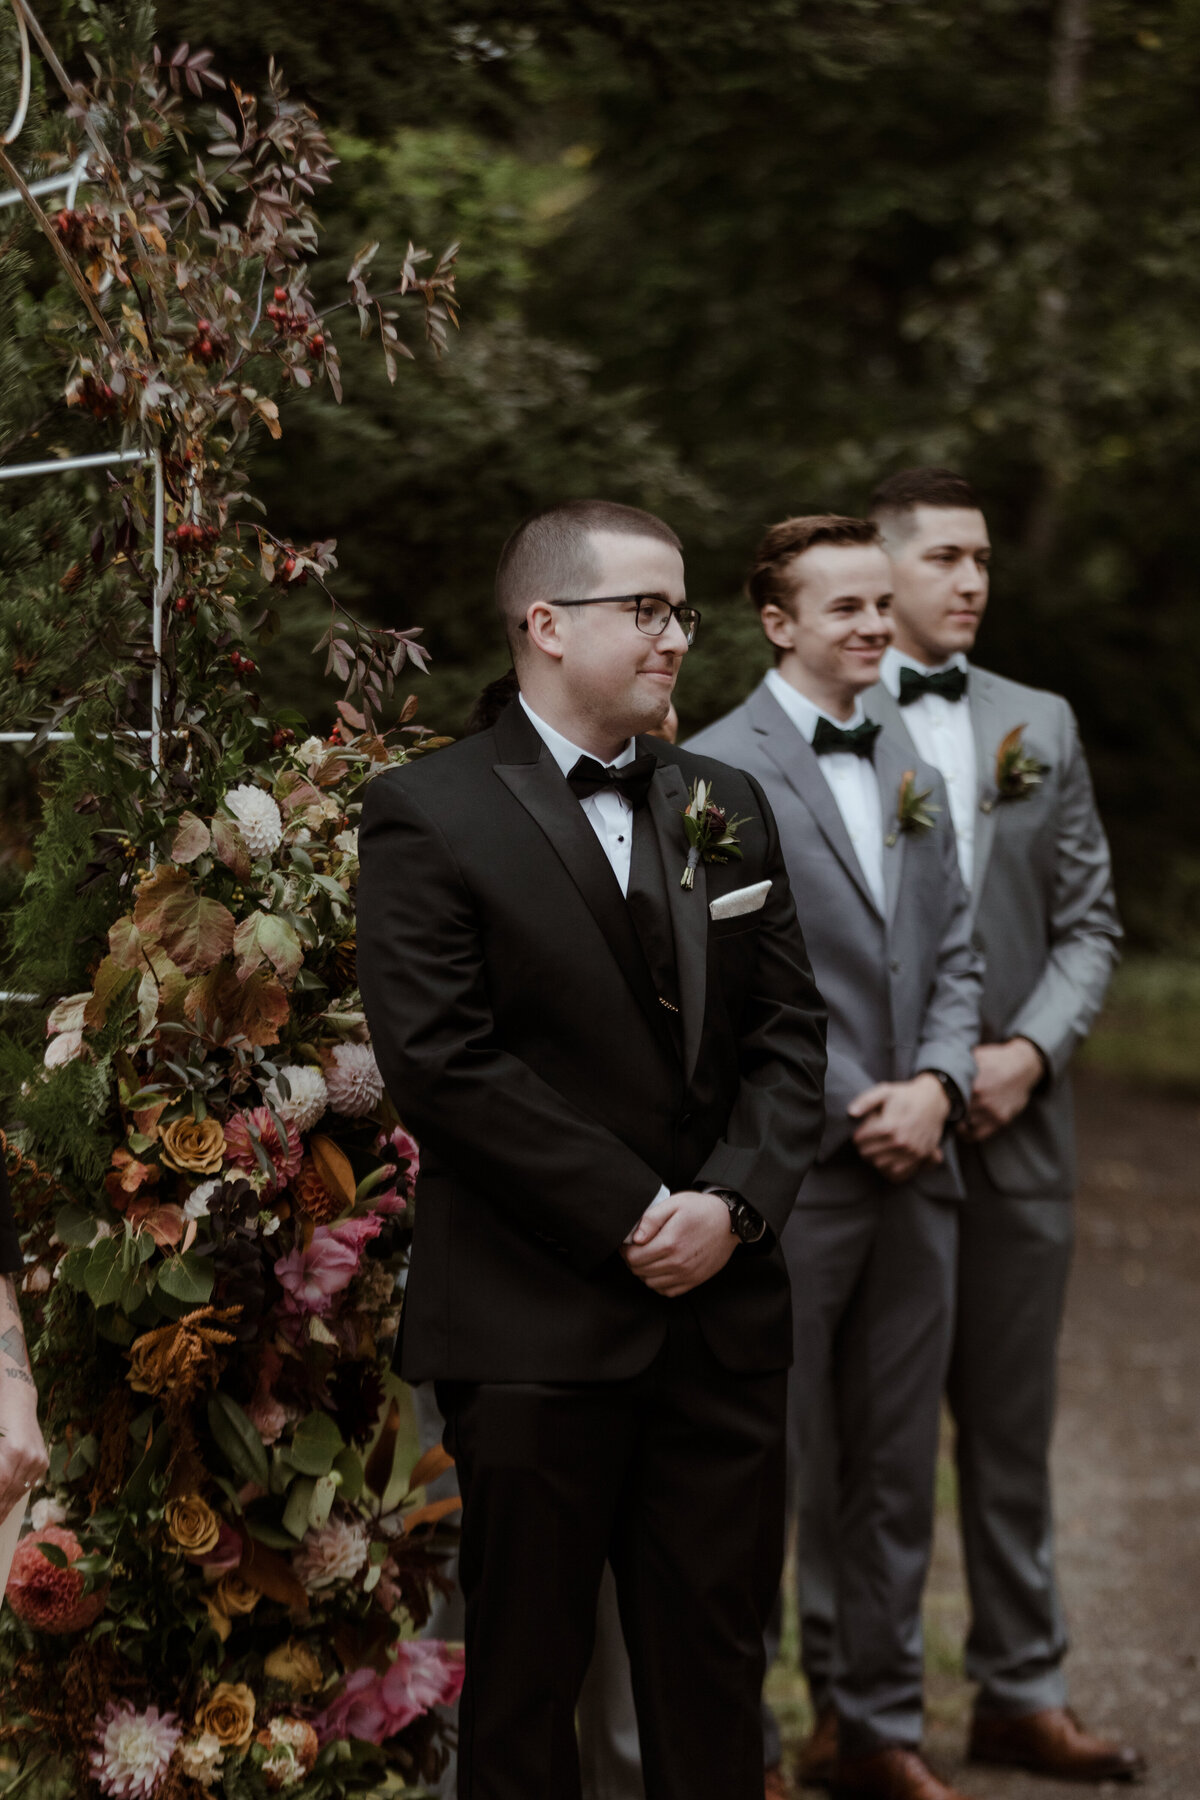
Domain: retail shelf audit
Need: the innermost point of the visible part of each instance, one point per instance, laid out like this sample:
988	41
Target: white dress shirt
941	731
851	779
608	813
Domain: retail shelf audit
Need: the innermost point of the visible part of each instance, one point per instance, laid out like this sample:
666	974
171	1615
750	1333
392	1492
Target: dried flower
133	1749
235	1597
193	1524
314	1198
332	1552
295	1664
292	1747
240	1135
306	1099
353	1080
201	1758
180	1357
193	1146
229	1714
47	1597
258	816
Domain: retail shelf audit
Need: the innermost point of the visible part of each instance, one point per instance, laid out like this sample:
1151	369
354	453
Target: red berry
281	293
203	326
335	736
181	605
317	345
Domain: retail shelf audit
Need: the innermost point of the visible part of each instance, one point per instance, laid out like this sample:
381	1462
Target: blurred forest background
734	262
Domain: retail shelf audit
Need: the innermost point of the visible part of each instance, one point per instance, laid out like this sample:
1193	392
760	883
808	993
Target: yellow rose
295	1664
193	1148
216	1618
193	1524
236	1596
229	1714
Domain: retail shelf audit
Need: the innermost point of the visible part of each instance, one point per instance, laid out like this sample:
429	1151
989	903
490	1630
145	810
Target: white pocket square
742	900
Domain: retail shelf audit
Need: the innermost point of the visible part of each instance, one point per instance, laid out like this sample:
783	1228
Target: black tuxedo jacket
521	1036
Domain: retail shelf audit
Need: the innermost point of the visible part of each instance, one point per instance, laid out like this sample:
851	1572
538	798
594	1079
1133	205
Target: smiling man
616	1082
1034	856
871	1241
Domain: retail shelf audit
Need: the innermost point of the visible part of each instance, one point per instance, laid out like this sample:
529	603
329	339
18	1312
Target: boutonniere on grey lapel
913	812
711	833
1018	774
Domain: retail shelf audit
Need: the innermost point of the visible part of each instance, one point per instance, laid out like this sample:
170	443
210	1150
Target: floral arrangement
1018	773
914	812
711	833
225	1539
230	1557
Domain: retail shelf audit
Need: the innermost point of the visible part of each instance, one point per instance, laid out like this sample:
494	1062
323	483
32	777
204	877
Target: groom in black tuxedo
617	1085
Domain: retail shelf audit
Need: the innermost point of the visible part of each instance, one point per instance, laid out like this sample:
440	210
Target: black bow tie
859	740
632	782
951	684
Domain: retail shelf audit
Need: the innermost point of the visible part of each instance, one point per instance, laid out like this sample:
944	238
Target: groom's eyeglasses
654	613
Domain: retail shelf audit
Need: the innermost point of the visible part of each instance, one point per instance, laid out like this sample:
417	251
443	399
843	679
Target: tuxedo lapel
798	763
688	907
987	727
533	777
890	768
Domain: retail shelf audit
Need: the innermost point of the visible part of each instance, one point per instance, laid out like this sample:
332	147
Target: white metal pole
156	673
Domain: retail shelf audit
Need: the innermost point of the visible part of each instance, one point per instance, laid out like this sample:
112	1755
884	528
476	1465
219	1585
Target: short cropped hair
902	493
549	556
771	582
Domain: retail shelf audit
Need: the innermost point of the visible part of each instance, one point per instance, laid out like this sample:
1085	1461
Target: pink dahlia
285	1158
45	1596
132	1749
353	1081
425	1674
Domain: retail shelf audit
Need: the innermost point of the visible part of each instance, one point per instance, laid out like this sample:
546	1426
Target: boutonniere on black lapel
1018	774
914	814
711	833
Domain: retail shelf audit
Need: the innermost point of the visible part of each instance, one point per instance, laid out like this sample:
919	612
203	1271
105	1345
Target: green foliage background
732	263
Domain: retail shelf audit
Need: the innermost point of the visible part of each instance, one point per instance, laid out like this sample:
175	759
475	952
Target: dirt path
1127	1459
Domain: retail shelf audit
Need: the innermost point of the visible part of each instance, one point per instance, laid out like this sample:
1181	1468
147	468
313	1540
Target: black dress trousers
676	1476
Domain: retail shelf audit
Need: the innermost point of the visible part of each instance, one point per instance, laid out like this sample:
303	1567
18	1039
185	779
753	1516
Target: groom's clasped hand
679	1242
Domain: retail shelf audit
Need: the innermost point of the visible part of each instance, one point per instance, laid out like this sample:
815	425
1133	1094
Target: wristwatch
952	1092
746	1225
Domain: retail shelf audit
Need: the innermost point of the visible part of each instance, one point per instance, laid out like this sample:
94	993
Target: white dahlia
259	817
353	1081
332	1552
132	1750
307	1096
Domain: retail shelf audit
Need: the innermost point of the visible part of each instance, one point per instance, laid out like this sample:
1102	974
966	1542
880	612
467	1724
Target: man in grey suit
1034	856
871	1244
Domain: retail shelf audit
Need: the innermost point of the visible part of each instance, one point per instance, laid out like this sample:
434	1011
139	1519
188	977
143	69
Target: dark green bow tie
859	740
951	684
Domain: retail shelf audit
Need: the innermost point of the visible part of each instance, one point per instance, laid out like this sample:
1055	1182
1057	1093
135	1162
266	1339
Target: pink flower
47	1597
425	1674
356	1234
312	1277
268	1417
285	1159
404	1147
353	1081
225	1554
133	1749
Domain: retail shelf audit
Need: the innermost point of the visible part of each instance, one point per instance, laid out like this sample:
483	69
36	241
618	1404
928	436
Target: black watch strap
953	1093
746	1225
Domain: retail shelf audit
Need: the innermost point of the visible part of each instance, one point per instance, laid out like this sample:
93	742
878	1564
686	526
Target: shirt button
620	840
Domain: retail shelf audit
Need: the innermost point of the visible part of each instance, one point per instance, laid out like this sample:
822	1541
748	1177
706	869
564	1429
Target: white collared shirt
608	813
851	780
941	731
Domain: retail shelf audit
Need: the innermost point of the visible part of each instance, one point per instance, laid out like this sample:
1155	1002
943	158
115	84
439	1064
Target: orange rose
193	1524
193	1147
229	1714
235	1596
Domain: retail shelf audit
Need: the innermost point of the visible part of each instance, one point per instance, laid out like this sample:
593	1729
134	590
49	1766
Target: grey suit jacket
1043	913
902	989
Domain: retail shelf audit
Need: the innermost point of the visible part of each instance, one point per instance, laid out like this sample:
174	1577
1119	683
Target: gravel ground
1126	1461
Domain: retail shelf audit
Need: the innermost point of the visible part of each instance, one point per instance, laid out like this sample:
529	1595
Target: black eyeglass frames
654	614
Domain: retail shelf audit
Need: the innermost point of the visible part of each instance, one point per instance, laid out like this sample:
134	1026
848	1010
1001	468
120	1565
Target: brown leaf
333	1166
272	1575
436	1460
230	846
111	980
264	937
253	1009
195	931
430	1513
378	1470
191	839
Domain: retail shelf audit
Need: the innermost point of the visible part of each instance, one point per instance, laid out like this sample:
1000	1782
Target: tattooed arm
23	1459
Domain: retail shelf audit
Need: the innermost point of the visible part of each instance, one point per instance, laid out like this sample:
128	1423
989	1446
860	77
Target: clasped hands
901	1122
679	1242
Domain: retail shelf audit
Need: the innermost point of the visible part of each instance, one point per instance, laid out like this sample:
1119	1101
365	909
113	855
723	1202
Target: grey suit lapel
797	762
688	907
890	767
987	729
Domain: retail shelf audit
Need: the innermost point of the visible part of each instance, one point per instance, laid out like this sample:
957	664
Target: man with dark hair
870	1244
1034	857
611	1048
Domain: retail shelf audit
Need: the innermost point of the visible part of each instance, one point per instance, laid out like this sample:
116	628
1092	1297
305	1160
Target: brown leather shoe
891	1774
818	1753
1053	1743
775	1785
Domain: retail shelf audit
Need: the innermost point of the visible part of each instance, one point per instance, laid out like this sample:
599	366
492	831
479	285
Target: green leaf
324	1494
54	1555
265	938
187	1278
349	1466
295	1513
237	1440
106	1279
140	1486
316	1444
